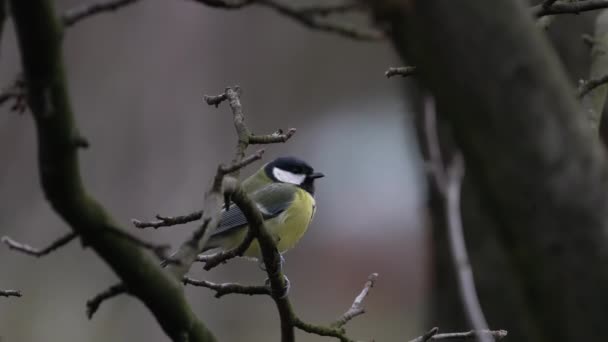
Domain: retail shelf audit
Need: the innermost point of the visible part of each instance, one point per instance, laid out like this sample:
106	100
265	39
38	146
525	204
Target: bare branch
226	4
356	308
312	17
432	335
213	260
10	293
276	137
16	91
308	19
575	7
586	87
241	164
74	15
167	221
403	71
29	250
449	180
111	292
548	3
228	288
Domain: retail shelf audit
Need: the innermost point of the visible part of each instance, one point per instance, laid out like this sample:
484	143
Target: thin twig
111	292
449	180
16	91
432	335
276	137
213	260
228	288
587	86
403	71
10	293
313	17
168	221
568	7
38	252
312	21
227	169
356	308
74	15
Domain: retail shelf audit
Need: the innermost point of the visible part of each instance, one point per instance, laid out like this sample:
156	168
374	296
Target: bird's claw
284	291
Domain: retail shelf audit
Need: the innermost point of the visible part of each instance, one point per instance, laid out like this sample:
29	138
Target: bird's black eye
297	170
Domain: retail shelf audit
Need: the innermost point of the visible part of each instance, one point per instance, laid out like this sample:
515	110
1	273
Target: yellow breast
290	226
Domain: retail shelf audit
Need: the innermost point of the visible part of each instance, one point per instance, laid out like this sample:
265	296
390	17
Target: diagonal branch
213	260
39	36
111	292
356	308
39	252
74	15
576	7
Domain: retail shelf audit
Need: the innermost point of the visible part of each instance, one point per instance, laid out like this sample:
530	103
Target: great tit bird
283	191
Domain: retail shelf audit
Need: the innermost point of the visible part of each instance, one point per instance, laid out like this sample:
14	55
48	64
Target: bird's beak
316	175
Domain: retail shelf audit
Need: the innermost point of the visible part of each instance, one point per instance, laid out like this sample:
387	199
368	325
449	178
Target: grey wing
271	200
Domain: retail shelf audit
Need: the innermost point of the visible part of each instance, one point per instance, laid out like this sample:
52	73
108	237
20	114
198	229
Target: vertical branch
449	181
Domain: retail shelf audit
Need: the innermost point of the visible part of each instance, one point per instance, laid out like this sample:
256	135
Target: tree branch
448	181
312	17
213	260
403	71
576	7
168	221
10	293
29	250
39	36
356	308
111	292
228	288
74	15
432	335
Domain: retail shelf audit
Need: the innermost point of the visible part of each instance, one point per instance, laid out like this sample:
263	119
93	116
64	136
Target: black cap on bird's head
293	170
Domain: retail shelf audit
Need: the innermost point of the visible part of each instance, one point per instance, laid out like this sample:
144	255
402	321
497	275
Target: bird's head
294	171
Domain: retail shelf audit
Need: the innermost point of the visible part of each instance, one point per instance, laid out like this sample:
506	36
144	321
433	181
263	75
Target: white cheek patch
288	177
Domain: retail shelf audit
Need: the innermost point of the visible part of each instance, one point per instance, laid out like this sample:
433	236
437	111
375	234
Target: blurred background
137	79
